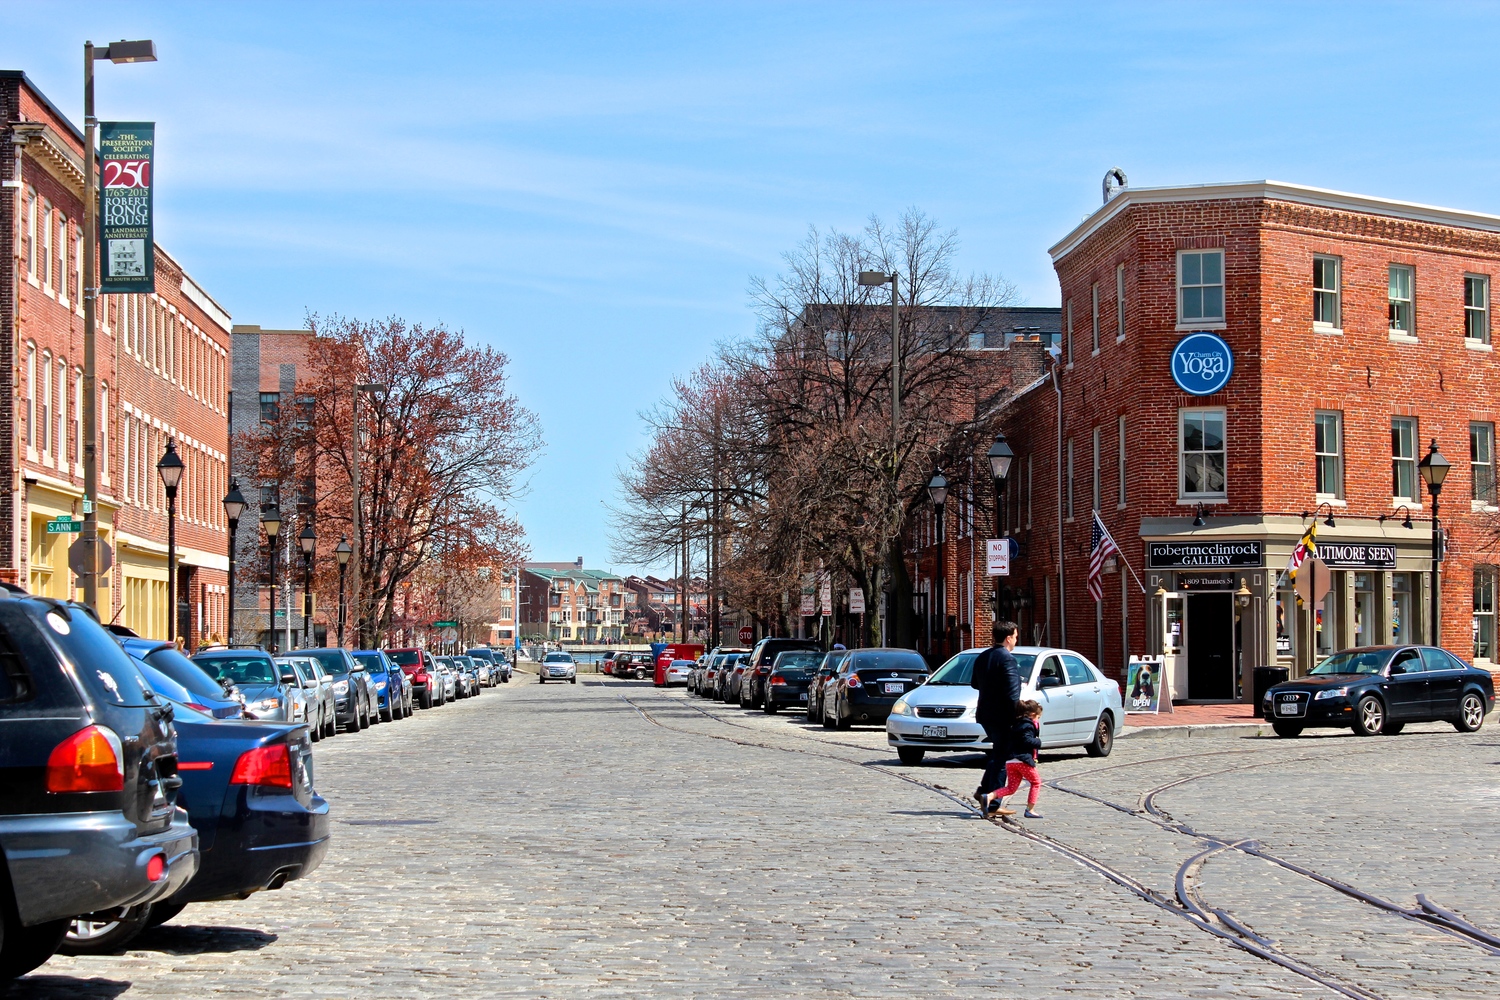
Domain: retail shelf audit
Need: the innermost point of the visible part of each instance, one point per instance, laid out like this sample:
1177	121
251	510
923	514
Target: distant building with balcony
563	602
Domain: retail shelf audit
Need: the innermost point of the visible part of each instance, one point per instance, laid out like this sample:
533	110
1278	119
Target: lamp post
116	52
871	279
270	519
309	541
1000	457
170	469
937	492
1434	468
234	506
341	551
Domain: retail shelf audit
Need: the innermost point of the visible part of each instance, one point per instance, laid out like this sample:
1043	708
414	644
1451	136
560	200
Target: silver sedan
557	667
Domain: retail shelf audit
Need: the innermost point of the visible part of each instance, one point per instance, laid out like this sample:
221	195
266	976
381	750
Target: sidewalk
1203	720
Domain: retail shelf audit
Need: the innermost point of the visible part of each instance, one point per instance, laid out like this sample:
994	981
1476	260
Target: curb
1200	729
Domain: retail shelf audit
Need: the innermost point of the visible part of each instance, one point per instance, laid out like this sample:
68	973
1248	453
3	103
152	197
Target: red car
427	688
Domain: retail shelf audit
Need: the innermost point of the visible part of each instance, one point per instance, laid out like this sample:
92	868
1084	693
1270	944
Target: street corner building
1241	363
162	374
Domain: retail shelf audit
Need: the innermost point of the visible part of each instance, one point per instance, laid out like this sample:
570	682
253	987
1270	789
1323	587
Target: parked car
607	663
636	665
868	684
752	684
223	700
256	676
390	698
89	821
454	673
354	697
1379	689
469	668
318	689
557	667
729	677
828	667
791	672
248	789
677	672
1080	706
417	665
449	677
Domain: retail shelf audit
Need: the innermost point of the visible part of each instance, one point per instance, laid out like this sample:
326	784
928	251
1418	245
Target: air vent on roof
1114	182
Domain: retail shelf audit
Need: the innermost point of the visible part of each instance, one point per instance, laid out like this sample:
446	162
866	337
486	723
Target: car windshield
248	669
185	672
888	660
1355	661
406	657
798	661
558	658
332	660
958	670
371	661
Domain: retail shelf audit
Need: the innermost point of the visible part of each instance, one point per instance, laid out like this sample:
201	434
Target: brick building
1360	331
565	602
162	367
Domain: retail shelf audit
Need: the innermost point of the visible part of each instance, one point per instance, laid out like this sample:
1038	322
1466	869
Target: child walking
1025	742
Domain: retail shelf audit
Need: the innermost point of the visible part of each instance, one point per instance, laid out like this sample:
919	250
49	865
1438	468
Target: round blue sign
1202	364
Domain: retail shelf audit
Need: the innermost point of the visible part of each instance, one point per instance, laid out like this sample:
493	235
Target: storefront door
1210	646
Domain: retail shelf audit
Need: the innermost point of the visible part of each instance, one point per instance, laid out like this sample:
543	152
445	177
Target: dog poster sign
1143	686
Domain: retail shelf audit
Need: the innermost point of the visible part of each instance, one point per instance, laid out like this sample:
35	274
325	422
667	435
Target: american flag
1101	547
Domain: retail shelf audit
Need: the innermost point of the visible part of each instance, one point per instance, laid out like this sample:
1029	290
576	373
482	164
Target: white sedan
679	672
1080	706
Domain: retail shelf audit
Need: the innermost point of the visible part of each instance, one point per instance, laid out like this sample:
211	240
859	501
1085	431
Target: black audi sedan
1379	689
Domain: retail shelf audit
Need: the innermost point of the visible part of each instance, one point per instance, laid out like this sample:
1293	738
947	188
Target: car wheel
769	707
106	931
163	911
827	722
387	714
640	674
842	723
1104	737
540	679
1470	713
1287	730
1393	729
315	733
573	680
911	756
24	948
1369	716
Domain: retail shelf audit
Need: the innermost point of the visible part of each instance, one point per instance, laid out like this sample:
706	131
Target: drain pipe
1062	576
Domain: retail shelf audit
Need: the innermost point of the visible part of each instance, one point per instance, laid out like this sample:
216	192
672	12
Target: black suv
753	681
89	821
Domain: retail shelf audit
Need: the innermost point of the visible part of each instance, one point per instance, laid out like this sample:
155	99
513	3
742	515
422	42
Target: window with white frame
1094	299
103	415
1120	302
1482	462
78	415
1328	452
1477	308
1326	296
28	237
46	414
1484	613
1098	444
47	254
1120	461
1202	453
1399	299
1200	286
62	413
31	396
1404	459
1068	308
62	258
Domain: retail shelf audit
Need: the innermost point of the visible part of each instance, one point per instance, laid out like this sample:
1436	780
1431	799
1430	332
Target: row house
565	602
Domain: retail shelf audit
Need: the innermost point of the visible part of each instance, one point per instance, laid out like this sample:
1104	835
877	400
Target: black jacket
997	676
1025	741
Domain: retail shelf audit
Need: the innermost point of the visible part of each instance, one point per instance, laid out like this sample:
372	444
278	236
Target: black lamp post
1000	457
270	519
309	541
170	469
342	551
234	506
937	491
1434	468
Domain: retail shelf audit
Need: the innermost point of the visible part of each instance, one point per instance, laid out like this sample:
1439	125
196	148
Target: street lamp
341	551
937	492
170	469
871	279
1434	468
1000	457
309	541
270	519
117	52
234	506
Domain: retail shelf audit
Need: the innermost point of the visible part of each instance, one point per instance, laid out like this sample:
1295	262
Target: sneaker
1033	814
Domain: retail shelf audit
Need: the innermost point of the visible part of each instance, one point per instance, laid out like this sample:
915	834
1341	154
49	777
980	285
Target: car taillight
270	766
88	761
777	679
854	681
156	868
195	765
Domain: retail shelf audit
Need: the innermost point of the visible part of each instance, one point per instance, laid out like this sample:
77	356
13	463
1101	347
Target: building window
1200	286
28	235
46	413
1094	296
1120	461
1028	491
1482	462
62	414
1120	302
1404	459
1477	308
1068	308
1098	443
1326	292
1399	299
270	407
31	396
1328	449
103	417
1201	453
47	255
1484	612
1070	479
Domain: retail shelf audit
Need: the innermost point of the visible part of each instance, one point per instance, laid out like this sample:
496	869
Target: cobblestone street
612	840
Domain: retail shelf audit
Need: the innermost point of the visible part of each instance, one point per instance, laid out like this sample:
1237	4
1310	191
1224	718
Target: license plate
895	688
935	732
1287	708
802	696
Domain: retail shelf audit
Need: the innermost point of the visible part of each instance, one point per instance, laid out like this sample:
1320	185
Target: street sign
445	624
808	608
746	635
77	556
997	557
856	601
64	524
1313	582
825	595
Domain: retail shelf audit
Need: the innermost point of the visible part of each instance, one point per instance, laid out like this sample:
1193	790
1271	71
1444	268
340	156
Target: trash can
1265	679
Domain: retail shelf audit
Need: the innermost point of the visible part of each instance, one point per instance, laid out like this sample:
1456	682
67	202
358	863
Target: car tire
1470	713
388	714
108	931
1286	730
331	728
1369	716
163	911
911	756
1104	737
769	707
540	679
573	680
24	948
640	674
842	723
315	733
1393	729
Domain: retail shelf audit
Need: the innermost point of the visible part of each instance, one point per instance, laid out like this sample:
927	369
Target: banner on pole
997	557
126	248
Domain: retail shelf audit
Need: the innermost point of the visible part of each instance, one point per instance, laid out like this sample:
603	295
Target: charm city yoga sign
1202	364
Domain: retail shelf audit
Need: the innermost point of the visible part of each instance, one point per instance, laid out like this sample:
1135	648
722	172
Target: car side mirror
289	678
1397	668
1049	682
359	668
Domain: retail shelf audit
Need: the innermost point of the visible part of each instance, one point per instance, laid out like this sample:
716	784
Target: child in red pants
1025	742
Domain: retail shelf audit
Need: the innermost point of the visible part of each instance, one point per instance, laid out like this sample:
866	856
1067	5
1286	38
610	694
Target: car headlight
901	707
340	687
265	705
380	685
1342	692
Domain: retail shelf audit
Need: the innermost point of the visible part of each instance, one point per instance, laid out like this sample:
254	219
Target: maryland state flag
1306	549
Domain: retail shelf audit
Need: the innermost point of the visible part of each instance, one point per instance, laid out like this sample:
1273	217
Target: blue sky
590	187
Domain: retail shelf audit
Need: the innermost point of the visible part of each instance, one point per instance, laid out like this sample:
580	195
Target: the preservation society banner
125	245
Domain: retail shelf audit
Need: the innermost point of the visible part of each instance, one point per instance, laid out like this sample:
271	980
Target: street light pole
170	470
309	541
118	52
1434	469
1000	456
937	491
341	551
270	519
234	506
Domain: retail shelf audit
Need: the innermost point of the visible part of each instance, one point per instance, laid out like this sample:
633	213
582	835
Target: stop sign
746	634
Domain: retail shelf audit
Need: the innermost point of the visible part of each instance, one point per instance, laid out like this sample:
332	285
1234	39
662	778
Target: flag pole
1116	544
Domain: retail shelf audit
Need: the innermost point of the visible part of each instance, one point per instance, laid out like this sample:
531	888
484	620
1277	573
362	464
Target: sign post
997	557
